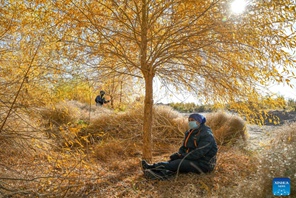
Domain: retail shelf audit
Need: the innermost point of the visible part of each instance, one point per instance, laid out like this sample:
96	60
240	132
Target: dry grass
105	161
115	150
227	128
61	114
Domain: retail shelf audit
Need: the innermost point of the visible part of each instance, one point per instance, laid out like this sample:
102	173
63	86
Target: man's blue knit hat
200	118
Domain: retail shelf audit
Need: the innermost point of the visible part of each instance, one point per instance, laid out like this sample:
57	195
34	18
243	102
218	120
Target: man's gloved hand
176	156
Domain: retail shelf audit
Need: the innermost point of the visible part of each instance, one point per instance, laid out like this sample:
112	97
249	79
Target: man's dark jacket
199	145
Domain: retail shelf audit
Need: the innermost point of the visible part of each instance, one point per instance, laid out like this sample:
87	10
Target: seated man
197	154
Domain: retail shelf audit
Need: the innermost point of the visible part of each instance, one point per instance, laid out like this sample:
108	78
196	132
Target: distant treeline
268	103
191	107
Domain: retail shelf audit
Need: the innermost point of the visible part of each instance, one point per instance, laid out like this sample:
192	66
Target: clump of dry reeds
128	125
168	123
227	128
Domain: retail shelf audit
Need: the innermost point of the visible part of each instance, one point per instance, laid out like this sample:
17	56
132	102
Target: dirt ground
259	136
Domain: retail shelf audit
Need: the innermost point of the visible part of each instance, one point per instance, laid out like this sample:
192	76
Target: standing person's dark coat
100	99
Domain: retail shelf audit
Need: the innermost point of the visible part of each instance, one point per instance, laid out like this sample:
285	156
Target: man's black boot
158	175
145	165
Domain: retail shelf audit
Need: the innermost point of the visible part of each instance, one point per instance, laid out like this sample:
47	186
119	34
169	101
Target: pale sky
285	91
237	7
161	97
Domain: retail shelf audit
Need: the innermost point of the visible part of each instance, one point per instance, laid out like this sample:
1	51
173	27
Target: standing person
197	153
100	99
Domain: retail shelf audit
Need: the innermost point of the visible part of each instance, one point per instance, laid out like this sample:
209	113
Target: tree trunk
147	71
147	126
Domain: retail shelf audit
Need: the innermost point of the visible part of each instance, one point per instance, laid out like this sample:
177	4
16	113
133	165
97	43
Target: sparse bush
292	105
190	107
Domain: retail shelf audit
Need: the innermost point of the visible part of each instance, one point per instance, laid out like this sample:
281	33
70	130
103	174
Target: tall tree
27	60
199	46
